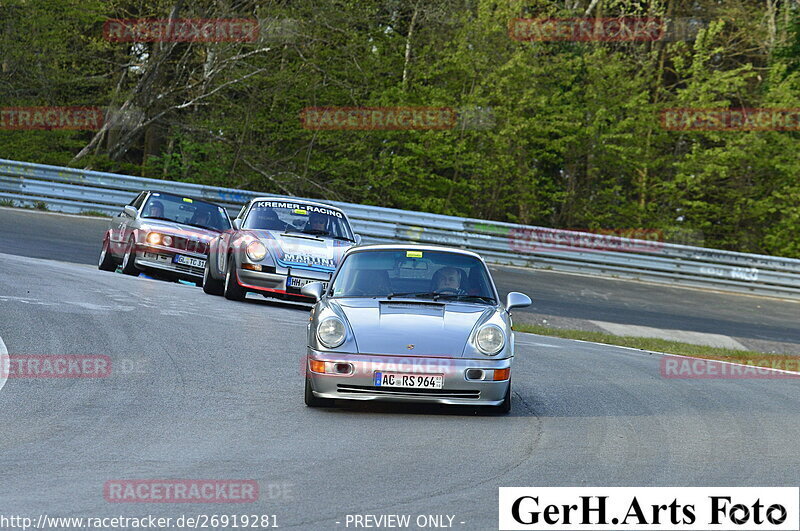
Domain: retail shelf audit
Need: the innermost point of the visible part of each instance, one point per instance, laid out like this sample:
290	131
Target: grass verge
746	357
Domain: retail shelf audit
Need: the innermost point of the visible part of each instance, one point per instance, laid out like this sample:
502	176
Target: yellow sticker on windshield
300	211
413	254
187	200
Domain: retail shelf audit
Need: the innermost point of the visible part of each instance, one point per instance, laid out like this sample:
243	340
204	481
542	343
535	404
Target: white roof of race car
297	199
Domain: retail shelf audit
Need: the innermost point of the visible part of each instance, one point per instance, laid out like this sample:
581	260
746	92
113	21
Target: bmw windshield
414	274
187	211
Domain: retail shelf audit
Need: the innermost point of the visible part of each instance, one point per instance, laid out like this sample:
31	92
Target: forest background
558	134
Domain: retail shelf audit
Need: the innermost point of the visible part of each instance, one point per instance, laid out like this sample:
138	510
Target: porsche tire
505	407
233	291
211	285
313	401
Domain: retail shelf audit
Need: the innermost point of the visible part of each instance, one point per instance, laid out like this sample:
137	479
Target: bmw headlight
154	238
331	332
256	251
490	339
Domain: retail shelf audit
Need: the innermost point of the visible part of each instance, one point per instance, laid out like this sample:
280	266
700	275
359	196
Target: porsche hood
411	328
302	251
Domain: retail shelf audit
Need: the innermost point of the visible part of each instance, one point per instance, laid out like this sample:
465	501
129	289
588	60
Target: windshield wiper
298	231
477	298
416	294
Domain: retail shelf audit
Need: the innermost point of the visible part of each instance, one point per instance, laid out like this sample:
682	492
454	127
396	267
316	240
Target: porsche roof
411	246
296	199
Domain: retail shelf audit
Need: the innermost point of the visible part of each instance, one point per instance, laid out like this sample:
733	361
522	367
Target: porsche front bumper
460	387
273	282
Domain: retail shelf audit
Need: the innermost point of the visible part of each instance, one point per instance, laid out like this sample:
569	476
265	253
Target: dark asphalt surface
77	239
209	388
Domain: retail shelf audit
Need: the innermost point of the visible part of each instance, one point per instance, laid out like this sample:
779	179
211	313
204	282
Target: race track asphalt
207	388
77	239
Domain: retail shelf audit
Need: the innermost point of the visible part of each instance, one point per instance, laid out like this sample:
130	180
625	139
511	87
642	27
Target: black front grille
400	391
195	246
192	246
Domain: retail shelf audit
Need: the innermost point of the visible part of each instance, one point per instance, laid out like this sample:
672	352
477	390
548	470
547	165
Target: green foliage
571	138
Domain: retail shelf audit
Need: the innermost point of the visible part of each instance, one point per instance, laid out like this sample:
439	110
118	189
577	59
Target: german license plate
190	261
296	282
419	381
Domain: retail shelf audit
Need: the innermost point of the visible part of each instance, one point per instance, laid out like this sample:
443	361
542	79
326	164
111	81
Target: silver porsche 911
277	246
410	323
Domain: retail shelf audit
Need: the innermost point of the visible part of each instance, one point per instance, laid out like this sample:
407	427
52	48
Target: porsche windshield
187	211
414	274
289	216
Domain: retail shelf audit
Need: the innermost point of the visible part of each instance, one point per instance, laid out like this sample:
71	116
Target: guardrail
77	191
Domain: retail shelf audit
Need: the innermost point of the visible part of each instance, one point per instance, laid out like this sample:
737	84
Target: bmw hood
412	328
302	251
189	232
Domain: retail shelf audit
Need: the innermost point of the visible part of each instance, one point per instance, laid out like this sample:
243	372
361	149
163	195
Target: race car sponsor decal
299	258
298	207
413	254
290	252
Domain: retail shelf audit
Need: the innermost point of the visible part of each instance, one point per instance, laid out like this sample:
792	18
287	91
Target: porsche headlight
256	251
490	339
331	332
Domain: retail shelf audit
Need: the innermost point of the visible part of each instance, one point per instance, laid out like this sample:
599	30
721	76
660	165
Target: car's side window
137	203
240	215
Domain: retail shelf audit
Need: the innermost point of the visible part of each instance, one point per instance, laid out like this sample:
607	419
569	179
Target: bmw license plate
296	282
398	379
188	260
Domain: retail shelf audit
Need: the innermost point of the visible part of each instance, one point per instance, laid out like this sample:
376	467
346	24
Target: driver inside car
447	279
155	210
201	217
317	223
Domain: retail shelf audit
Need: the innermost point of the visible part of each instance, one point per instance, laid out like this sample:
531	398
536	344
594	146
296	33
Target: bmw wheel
129	260
106	262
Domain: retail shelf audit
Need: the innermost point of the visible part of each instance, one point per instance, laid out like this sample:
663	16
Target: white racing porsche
276	247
